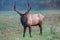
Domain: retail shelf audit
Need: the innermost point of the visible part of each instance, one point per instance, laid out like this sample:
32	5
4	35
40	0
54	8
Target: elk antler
29	7
16	9
14	6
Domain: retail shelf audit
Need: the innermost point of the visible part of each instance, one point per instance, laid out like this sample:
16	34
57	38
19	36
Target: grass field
11	28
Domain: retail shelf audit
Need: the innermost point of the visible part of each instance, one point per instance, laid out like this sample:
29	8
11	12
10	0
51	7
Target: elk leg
24	31
40	29
30	31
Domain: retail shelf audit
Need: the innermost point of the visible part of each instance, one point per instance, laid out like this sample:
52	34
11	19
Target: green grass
11	28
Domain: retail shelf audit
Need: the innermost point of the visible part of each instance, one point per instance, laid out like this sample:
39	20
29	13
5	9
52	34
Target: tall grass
11	28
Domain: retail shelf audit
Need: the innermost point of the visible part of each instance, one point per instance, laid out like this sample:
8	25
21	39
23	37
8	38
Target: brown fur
33	19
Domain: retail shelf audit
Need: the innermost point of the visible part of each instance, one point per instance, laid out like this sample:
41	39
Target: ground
11	28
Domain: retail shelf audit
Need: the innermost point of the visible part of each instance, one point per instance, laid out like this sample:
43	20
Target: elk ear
29	7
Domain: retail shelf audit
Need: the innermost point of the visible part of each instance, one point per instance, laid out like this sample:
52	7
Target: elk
29	20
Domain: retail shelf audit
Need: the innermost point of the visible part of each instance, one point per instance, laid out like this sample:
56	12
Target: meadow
11	28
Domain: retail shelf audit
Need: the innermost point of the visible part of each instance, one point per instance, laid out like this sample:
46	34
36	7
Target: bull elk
29	20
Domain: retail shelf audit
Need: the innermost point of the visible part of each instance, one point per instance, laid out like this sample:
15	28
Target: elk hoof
23	36
30	36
